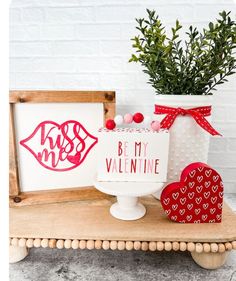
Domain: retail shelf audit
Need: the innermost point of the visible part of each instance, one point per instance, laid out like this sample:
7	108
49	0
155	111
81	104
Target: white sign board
130	154
57	144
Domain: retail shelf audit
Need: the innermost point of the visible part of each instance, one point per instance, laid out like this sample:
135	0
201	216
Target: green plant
193	67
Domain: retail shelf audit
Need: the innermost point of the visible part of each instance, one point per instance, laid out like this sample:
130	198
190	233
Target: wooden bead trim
123	245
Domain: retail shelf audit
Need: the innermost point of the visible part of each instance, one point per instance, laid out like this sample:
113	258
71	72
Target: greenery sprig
193	67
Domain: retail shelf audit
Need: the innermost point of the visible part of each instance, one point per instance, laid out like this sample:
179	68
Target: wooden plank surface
56	196
92	220
61	96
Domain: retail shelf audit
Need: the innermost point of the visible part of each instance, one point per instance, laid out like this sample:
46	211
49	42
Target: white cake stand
127	206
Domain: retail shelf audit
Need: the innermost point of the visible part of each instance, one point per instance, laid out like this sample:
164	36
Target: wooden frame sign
53	144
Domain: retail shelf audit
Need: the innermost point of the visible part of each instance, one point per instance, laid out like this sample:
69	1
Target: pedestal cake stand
127	206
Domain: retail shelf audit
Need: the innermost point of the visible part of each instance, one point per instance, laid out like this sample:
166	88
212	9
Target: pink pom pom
128	118
155	125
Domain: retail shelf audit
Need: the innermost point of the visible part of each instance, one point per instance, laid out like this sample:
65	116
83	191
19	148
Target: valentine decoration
189	142
198	114
59	147
129	118
196	198
56	140
138	117
131	154
132	163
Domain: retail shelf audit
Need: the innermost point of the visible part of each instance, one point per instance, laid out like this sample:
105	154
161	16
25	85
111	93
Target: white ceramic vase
188	141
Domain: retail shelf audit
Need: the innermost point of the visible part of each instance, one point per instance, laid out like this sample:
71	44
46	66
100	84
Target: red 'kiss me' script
60	147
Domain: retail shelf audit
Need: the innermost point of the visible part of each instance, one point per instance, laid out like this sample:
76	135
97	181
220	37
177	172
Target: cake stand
127	206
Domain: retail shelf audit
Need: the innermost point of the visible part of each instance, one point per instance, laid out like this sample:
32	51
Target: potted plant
184	75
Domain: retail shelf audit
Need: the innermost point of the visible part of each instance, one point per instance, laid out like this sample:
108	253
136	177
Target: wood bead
90	244
137	245
175	246
75	244
52	243
221	248
60	244
228	246
144	246
182	246
160	246
152	246
98	244
67	244
113	245
206	247
190	246
82	244
44	243
214	247
129	245
167	246
233	245
37	242
105	245
199	248
14	241
30	243
121	245
22	242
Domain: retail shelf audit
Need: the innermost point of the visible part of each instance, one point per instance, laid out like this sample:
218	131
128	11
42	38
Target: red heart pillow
196	198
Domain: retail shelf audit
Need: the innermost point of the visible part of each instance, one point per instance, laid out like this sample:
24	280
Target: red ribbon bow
198	113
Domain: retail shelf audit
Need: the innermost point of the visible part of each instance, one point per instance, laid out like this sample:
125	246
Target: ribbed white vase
188	141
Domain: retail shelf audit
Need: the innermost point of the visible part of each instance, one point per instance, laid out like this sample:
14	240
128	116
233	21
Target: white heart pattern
197	198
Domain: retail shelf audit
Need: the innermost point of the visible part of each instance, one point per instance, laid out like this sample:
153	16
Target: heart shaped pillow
196	198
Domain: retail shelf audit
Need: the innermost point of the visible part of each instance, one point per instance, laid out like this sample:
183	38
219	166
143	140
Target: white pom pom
147	120
118	120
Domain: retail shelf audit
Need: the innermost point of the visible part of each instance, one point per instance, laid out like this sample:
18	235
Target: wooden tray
88	224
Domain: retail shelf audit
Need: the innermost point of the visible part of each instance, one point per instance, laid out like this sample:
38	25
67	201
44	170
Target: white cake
130	154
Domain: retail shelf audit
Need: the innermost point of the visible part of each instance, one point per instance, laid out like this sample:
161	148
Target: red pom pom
138	117
110	124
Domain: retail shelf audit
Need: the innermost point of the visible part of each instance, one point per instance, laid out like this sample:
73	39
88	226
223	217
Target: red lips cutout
60	147
196	198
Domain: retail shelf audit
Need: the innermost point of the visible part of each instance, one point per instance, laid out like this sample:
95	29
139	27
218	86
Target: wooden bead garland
167	246
121	245
160	246
30	243
98	244
44	243
82	244
22	242
90	244
37	243
67	244
137	245
124	245
105	245
206	248
52	243
129	245
60	244
75	244
113	245
152	246
144	246
190	246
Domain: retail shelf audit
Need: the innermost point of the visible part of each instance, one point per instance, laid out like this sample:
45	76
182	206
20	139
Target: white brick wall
85	44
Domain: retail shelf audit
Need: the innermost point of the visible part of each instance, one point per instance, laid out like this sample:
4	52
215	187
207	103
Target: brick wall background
85	44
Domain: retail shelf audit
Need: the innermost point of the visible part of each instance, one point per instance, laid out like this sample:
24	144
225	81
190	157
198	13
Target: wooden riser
88	224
